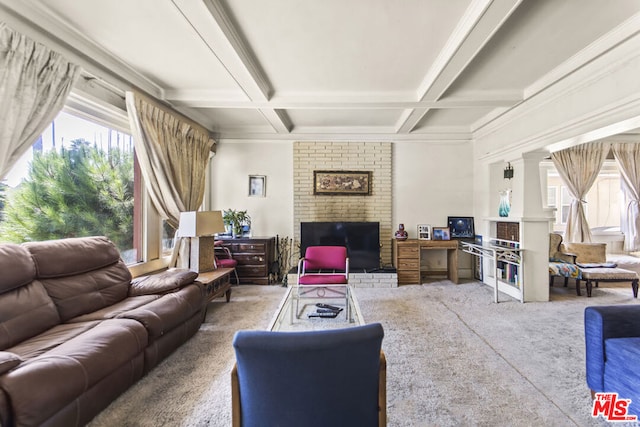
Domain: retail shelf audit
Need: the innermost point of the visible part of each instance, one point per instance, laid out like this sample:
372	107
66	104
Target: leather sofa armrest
163	282
8	361
600	324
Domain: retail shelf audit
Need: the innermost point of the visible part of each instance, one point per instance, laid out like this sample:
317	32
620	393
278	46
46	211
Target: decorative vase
401	234
505	204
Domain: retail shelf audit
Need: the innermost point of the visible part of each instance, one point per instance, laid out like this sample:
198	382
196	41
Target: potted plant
236	220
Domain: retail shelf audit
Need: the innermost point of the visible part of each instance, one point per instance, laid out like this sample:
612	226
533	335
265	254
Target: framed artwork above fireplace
342	183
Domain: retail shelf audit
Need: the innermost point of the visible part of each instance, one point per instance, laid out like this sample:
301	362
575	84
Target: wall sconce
508	171
199	227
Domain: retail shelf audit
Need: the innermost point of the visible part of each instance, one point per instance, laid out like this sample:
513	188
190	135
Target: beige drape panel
34	84
173	153
579	167
628	158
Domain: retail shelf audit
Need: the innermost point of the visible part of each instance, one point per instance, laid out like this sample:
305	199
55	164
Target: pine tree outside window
79	179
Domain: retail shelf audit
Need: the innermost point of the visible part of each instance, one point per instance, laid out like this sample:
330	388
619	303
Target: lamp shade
200	223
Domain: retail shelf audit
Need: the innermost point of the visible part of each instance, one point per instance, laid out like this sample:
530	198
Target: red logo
612	408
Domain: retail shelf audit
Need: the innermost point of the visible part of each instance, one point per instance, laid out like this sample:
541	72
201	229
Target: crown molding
46	27
599	47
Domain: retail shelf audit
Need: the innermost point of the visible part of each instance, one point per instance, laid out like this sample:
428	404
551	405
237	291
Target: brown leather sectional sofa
76	331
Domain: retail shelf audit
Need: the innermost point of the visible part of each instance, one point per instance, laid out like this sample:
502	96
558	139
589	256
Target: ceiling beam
481	21
215	28
206	99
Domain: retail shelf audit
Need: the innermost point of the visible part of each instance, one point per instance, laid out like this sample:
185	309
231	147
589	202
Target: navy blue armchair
612	338
316	378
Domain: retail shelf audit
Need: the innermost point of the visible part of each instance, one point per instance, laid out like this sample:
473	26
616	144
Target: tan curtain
173	153
628	158
34	84
579	167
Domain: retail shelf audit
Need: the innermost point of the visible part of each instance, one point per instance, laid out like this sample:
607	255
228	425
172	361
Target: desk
407	255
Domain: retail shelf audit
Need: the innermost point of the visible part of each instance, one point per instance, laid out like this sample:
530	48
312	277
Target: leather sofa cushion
67	257
25	312
116	309
50	339
163	282
90	291
17	267
168	311
41	387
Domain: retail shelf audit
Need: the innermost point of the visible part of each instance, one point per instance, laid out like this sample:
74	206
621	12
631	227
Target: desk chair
316	378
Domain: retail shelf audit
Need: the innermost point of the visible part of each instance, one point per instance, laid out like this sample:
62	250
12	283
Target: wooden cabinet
406	259
255	256
508	231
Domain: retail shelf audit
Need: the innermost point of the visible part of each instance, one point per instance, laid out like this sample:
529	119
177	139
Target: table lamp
199	227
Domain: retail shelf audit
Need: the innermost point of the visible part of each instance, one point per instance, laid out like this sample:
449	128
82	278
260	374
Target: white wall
430	182
229	189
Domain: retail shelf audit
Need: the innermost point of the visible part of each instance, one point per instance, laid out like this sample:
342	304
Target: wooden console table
216	283
408	253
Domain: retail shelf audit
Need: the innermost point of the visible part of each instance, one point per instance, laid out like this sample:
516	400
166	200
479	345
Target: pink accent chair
226	260
323	272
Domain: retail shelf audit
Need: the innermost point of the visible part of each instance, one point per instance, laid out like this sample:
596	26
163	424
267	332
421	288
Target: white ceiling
329	69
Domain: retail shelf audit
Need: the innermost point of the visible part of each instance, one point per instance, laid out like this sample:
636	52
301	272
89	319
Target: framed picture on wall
257	185
342	183
441	233
424	232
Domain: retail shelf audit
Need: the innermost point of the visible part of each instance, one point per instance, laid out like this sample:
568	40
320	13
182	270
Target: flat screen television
461	227
362	240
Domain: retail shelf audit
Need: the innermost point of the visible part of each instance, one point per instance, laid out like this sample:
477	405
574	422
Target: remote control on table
327	315
327	310
327	306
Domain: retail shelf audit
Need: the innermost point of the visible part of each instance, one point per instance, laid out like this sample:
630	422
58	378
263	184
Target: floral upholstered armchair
561	263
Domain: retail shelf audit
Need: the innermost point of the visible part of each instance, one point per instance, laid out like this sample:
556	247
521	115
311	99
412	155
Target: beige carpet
454	359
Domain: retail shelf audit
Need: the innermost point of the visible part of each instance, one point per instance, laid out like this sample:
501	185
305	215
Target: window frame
102	104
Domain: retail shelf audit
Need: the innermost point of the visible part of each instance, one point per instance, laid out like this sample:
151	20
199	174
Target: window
565	204
603	201
78	179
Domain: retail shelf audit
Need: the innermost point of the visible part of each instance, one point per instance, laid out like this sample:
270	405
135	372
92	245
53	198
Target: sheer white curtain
173	153
628	158
579	167
34	84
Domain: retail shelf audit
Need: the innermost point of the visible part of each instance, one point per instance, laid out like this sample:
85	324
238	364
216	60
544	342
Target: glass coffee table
341	296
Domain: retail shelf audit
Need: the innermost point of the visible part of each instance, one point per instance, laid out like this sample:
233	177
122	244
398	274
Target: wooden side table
216	283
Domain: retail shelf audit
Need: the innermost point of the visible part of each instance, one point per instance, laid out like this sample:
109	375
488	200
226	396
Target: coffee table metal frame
284	317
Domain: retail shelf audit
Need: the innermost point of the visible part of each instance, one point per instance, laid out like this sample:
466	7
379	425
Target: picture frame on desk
461	227
441	233
424	232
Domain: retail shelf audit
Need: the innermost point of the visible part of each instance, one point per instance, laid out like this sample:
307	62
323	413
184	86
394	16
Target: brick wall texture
350	156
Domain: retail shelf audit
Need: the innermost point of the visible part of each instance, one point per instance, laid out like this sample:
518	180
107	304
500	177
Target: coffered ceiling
330	69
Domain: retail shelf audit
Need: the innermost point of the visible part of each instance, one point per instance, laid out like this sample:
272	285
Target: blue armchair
612	338
316	378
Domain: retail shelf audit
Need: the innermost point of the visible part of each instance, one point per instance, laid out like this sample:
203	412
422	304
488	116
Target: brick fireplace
352	156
